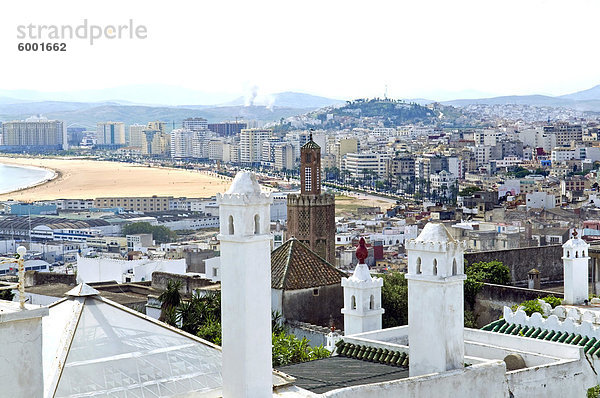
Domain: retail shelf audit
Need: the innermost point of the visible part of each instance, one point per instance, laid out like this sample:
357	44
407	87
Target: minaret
435	301
244	214
362	297
310	168
311	214
575	260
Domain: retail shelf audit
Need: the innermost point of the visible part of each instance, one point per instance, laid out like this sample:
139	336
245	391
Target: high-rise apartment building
136	138
284	156
251	141
227	128
34	134
195	124
565	133
358	164
110	133
184	143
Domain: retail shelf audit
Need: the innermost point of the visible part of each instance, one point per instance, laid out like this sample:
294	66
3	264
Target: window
435	266
256	224
372	303
353	303
418	265
316	292
231	228
454	267
307	178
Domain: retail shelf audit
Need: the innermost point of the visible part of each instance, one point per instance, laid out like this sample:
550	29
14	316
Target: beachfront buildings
37	134
110	134
184	143
251	141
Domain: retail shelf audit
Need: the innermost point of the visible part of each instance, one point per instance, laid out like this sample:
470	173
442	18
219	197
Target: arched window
454	267
418	265
434	266
568	254
256	224
372	303
231	230
576	254
583	253
353	303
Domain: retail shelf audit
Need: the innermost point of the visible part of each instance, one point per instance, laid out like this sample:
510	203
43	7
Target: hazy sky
341	49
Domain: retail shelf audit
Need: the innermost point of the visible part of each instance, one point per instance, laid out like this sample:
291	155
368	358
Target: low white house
99	269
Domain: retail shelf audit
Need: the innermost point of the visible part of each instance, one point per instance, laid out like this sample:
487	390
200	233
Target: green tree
394	298
160	233
484	272
468	191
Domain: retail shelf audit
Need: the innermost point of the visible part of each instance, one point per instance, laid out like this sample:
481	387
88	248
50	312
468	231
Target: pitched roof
591	345
311	145
294	266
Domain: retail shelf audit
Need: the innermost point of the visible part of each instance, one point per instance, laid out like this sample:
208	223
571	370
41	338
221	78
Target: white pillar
244	214
575	261
435	301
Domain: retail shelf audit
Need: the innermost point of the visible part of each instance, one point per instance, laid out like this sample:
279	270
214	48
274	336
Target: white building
284	157
195	123
251	141
110	133
540	200
184	143
359	163
442	183
99	269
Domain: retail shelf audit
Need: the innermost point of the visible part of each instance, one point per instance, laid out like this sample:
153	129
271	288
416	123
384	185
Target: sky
340	49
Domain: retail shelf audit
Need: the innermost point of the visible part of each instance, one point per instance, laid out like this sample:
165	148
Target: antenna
385	92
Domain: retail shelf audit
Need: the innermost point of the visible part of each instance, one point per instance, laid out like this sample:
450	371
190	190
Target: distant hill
88	116
362	112
584	95
586	100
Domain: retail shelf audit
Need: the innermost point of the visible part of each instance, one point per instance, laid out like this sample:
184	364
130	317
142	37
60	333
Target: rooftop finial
361	252
574	233
311	133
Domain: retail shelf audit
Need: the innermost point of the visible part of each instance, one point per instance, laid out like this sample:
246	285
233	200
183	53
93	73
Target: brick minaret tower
311	214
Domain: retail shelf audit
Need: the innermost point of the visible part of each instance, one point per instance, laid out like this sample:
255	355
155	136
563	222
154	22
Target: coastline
55	175
84	178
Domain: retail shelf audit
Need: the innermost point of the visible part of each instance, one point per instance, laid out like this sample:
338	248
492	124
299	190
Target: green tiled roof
311	145
591	346
372	354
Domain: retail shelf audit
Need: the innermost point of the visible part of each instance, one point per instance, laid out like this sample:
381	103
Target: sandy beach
89	179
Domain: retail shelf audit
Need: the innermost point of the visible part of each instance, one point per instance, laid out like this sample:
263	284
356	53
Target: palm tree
170	299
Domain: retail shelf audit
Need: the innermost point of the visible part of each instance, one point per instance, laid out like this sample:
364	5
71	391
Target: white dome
575	243
244	183
434	232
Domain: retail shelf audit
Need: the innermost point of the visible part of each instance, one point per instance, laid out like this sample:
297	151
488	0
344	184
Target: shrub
529	306
553	301
288	349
